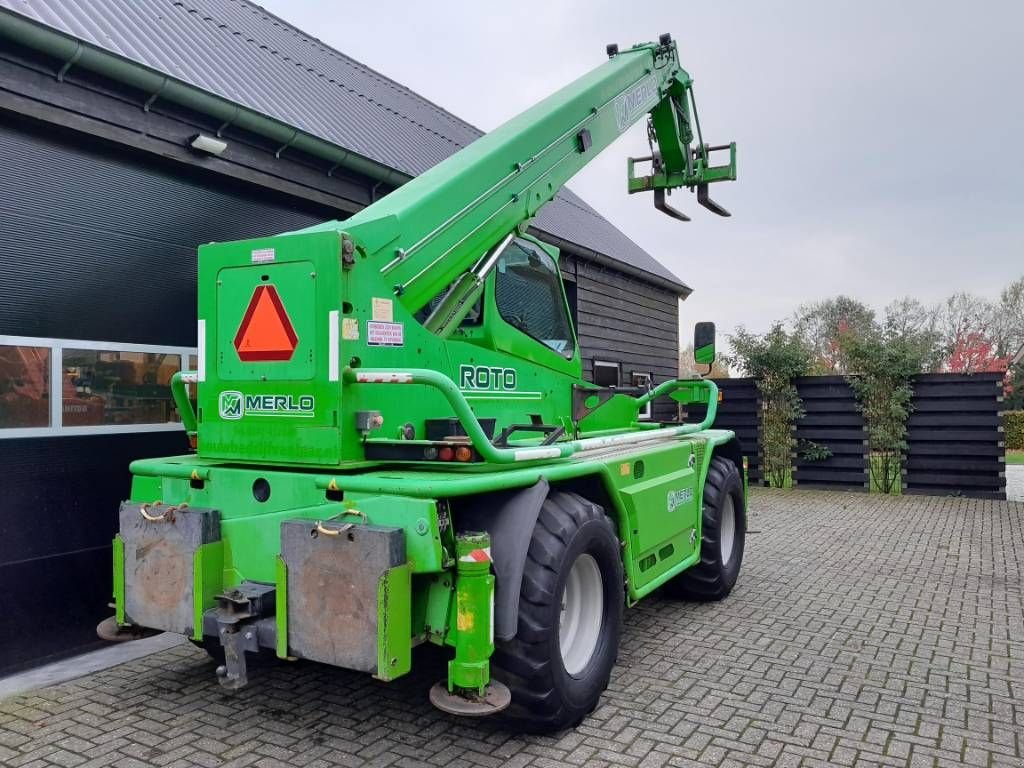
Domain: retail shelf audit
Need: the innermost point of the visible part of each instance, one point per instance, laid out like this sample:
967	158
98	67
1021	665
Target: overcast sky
881	144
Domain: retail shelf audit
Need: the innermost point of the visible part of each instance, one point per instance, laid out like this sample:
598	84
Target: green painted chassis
435	596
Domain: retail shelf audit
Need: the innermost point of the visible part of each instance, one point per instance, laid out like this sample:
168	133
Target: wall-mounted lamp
203	143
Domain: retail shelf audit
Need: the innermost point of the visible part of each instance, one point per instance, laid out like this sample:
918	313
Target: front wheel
570	617
723	535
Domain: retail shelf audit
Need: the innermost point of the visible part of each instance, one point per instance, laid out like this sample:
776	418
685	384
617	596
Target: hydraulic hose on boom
428	233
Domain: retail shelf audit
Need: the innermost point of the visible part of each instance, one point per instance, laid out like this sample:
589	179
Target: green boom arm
429	232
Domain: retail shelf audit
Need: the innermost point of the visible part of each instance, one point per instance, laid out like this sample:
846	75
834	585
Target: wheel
723	534
570	617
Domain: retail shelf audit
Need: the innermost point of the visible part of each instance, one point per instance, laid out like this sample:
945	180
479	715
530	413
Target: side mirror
704	343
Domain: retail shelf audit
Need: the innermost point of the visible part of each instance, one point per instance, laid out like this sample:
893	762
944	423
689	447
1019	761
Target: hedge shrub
1014	430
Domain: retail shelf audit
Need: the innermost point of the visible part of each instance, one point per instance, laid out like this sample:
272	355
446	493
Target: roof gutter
74	52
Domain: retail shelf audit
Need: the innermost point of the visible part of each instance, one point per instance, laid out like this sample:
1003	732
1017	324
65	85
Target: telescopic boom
426	234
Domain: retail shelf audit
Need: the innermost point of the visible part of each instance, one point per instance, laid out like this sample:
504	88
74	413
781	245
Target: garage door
97	309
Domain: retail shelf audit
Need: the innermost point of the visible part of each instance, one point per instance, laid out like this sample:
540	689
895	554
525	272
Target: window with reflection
24	387
528	293
107	387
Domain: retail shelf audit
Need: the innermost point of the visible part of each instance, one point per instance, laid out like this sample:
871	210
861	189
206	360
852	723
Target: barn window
52	387
24	387
104	386
607	374
643	381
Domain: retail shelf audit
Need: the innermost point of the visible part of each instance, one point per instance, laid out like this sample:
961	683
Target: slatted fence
955	436
740	411
955	441
831	420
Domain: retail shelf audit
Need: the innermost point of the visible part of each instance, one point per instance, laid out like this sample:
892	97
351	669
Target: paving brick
864	631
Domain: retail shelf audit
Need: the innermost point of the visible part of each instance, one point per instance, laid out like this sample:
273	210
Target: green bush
1014	421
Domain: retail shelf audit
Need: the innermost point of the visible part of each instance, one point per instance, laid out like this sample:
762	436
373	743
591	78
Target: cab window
528	294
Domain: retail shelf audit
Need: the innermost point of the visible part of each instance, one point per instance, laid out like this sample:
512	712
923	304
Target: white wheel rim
727	528
579	627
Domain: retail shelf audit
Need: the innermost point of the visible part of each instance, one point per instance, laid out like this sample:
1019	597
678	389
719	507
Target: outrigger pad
160	543
335	577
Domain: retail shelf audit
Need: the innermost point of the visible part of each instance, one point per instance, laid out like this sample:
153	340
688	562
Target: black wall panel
58	514
97	244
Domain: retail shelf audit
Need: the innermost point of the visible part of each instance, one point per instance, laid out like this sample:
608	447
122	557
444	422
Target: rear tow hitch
240	622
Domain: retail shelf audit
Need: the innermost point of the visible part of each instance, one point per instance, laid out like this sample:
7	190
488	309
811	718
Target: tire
574	555
715	575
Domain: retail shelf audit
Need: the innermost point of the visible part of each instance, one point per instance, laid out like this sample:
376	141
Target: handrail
490	452
180	395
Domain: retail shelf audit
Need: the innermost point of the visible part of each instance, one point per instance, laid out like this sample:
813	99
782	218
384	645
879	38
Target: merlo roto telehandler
393	444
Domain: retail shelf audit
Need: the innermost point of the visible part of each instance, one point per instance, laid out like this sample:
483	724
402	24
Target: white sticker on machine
384	334
350	329
263	255
382	309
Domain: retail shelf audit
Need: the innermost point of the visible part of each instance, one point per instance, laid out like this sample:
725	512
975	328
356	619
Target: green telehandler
393	443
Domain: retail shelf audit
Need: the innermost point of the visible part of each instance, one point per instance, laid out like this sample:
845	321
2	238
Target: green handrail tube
184	405
491	453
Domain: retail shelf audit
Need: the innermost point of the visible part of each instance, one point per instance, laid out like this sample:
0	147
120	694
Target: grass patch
1015	457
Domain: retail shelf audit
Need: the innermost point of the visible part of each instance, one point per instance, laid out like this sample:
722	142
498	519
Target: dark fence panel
739	410
833	420
955	437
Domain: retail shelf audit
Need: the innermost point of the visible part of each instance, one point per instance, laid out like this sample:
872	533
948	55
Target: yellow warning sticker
350	329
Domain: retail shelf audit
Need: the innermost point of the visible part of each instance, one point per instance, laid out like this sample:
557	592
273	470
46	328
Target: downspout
72	51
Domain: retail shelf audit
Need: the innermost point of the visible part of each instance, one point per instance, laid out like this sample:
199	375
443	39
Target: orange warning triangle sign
266	332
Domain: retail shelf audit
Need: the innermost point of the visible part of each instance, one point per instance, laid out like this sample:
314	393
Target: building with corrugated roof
105	200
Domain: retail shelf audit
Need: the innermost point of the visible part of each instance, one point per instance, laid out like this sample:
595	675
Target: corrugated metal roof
239	51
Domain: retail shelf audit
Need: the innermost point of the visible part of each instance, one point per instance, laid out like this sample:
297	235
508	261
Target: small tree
973	353
774	359
1013	387
821	325
882	364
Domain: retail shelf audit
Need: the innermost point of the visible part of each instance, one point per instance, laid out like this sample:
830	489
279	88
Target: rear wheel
570	616
723	535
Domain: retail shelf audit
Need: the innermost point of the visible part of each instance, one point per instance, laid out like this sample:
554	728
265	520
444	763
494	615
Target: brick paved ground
864	631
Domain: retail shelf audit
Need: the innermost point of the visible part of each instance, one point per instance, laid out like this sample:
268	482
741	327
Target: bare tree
912	324
965	315
1010	316
821	324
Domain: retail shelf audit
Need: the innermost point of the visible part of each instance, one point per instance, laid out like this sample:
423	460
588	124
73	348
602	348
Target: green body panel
306	275
288	430
118	557
394	612
659	495
281	607
208	575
